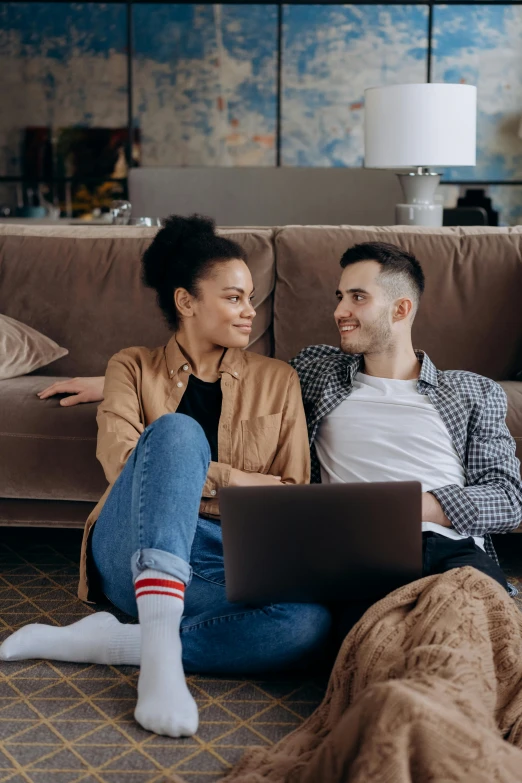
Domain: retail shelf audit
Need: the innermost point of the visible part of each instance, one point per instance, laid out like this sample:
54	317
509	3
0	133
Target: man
377	410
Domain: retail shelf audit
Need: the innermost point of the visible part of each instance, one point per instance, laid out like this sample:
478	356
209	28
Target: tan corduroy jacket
262	428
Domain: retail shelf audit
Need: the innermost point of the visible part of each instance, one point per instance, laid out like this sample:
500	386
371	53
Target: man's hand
432	510
82	389
239	478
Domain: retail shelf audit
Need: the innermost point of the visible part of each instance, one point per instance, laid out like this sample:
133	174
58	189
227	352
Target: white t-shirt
387	431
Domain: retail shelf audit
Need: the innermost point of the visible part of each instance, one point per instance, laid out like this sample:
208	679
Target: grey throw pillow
23	349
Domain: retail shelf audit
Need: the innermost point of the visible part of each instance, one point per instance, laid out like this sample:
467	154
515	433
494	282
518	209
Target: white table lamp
418	126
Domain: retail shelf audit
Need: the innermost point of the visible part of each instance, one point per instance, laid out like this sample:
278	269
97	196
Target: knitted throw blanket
426	687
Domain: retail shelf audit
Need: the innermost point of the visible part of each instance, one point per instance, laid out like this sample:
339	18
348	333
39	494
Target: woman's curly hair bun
180	255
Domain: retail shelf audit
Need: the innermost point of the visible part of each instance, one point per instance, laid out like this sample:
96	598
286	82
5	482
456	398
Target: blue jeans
151	520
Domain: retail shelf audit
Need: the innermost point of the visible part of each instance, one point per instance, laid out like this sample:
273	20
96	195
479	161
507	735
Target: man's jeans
151	520
439	554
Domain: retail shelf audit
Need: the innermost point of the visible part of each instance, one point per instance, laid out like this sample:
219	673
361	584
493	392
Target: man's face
363	315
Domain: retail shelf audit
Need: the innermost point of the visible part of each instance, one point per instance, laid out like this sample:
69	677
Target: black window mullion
130	51
279	82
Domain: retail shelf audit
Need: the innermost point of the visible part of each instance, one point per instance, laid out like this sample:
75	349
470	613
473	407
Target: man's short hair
401	274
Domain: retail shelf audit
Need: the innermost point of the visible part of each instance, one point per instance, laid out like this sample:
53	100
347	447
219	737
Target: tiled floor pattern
71	723
66	723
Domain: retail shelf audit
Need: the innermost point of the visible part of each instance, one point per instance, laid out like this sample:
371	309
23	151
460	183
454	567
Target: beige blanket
426	687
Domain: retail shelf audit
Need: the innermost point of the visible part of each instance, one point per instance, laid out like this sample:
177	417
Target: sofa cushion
23	349
470	316
47	452
82	288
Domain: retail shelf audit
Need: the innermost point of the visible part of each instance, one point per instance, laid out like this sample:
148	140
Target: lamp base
418	214
419	208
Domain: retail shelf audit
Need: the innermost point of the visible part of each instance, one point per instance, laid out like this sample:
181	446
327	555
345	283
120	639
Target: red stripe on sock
159	592
159	583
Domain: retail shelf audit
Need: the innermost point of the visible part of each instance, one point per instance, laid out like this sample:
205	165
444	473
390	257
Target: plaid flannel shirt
472	407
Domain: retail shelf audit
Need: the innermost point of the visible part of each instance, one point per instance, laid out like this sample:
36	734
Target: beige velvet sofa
81	287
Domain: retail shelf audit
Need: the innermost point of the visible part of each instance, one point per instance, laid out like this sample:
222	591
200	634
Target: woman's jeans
151	520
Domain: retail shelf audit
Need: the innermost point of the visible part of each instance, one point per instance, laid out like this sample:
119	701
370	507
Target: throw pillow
23	349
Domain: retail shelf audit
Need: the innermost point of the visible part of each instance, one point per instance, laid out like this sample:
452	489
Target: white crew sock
98	638
165	705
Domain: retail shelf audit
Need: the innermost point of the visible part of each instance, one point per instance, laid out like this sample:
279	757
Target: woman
176	424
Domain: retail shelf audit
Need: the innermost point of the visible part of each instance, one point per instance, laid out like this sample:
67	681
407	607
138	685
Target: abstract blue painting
482	45
61	64
330	55
205	84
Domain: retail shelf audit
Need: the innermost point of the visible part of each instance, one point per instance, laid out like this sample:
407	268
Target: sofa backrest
81	287
470	316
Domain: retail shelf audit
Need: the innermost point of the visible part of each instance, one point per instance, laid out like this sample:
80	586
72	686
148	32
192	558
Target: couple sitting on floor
178	422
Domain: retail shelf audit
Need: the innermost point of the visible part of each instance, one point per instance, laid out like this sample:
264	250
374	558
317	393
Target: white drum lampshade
418	126
411	125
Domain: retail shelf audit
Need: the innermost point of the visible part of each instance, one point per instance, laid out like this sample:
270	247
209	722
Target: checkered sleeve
305	361
311	369
300	361
491	502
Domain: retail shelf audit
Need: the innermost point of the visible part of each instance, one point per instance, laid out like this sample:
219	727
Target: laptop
320	543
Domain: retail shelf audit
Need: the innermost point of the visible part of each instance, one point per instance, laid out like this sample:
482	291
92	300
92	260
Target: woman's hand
239	478
81	389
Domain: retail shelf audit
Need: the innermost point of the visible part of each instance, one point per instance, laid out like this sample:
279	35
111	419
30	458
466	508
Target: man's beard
375	338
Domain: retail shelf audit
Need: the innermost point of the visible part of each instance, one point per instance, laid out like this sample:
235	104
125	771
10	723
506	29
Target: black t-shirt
202	401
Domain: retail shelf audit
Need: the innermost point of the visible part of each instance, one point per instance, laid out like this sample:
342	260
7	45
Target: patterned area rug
72	723
66	723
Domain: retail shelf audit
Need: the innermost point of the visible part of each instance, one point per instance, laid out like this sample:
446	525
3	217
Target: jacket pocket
260	439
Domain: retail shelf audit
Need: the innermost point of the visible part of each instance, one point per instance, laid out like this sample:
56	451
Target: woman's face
222	313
